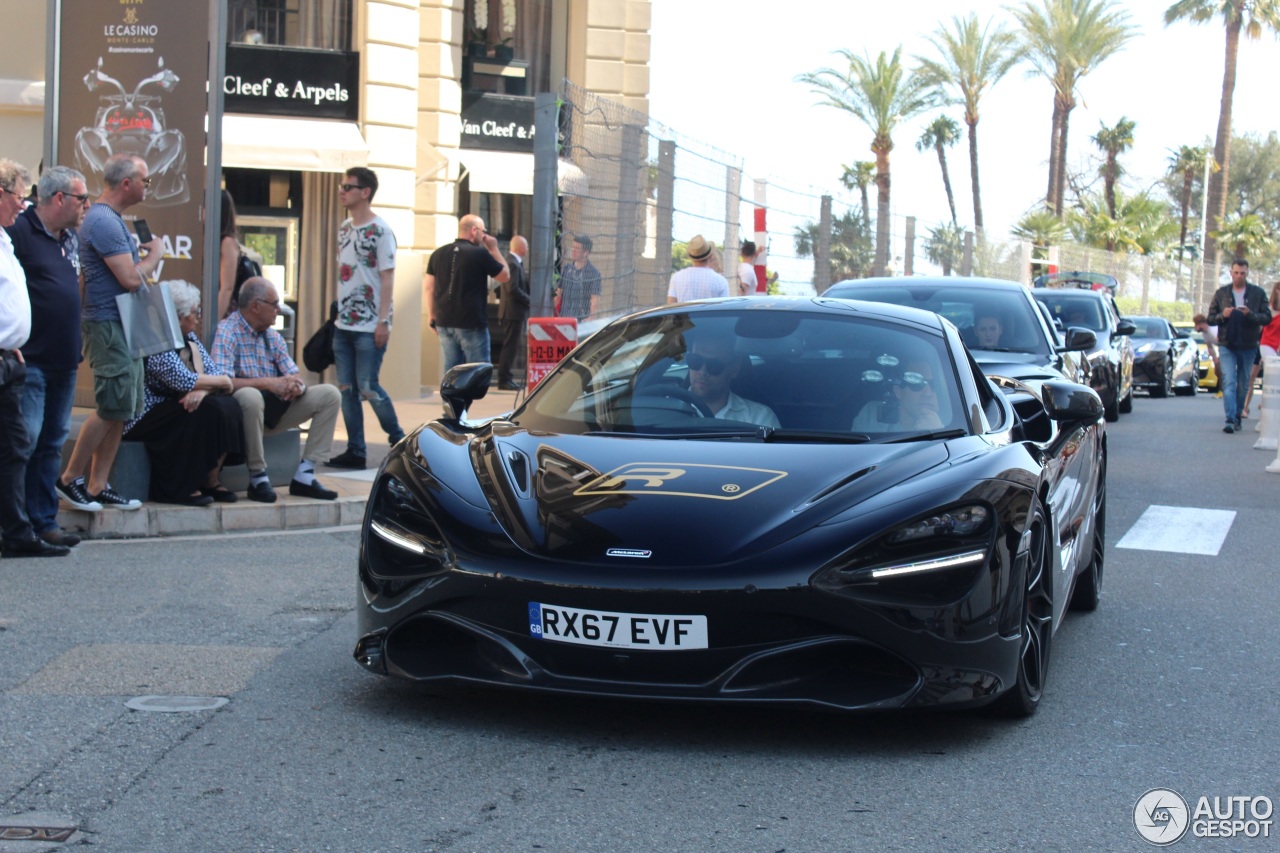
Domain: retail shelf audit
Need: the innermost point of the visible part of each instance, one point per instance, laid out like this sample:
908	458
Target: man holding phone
111	264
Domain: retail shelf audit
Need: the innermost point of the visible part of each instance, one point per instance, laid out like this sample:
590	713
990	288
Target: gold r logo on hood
718	482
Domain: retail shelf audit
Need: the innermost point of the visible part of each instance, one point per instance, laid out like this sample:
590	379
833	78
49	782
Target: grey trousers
319	403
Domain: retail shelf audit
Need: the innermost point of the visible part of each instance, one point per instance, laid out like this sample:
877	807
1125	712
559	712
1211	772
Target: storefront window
511	30
315	24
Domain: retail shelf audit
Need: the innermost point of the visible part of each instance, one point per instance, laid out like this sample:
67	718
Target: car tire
1166	381
1023	697
1088	589
1111	411
1126	405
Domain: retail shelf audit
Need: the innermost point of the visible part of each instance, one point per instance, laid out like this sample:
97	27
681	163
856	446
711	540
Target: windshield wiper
771	434
927	436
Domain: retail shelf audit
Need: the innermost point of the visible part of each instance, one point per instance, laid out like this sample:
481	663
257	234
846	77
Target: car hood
1015	365
595	498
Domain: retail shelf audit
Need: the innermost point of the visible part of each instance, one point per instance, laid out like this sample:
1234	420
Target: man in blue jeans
366	273
45	243
1239	310
456	291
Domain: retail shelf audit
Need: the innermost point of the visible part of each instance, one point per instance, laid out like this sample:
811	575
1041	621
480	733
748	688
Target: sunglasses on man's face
916	382
714	366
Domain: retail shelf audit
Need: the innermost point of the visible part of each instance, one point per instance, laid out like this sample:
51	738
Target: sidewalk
288	512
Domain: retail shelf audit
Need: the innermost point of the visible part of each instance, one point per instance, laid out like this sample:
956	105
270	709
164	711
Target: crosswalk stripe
1181	530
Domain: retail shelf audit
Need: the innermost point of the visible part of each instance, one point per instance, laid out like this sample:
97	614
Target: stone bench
131	474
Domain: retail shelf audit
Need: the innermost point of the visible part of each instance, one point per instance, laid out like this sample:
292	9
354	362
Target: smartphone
144	231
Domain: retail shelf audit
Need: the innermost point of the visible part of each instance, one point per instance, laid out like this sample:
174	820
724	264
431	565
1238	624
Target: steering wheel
677	392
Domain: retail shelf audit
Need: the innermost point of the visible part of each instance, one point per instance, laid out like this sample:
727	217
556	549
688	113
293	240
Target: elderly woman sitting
191	424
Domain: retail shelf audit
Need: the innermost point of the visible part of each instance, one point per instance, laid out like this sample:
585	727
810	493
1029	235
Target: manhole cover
175	704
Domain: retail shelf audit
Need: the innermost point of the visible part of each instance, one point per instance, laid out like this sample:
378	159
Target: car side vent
518	464
837	486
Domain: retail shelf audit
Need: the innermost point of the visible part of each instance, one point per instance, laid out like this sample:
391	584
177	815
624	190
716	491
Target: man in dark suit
513	310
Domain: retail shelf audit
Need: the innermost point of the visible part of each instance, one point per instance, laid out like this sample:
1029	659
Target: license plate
617	630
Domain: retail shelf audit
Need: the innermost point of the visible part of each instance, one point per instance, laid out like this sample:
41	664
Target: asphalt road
1171	683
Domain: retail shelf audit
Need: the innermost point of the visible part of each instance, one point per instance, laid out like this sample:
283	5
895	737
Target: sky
724	72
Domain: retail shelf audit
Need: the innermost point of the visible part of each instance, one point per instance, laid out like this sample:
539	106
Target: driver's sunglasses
714	366
916	382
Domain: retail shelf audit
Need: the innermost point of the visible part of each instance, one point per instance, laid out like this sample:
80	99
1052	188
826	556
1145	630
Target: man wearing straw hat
699	281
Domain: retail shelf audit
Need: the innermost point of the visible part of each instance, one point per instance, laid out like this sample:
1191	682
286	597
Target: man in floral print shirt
366	270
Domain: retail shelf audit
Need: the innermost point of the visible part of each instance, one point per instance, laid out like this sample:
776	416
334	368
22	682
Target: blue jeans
1237	365
358	360
46	408
462	346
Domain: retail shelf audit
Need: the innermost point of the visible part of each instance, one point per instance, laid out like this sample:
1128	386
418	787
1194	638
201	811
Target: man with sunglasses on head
712	368
111	264
45	243
271	394
366	278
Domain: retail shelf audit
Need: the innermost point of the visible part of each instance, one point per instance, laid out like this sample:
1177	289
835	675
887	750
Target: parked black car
1111	359
1164	358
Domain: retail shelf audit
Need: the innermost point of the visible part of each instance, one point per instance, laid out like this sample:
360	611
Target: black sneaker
110	497
347	459
77	495
1229	428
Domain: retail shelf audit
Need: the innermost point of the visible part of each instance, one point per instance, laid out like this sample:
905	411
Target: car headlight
932	559
403	540
1143	349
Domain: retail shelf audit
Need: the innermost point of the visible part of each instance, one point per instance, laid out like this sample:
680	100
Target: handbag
246	268
317	354
150	320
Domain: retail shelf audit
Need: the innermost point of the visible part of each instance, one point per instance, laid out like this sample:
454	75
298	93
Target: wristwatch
386	321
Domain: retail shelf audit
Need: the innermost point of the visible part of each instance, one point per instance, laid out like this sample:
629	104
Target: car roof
824	304
965	282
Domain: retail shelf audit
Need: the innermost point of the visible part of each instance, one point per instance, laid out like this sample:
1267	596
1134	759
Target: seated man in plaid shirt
271	395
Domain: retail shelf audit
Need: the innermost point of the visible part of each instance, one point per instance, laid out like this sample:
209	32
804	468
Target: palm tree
1065	40
972	58
1141	224
859	176
1250	17
1113	141
1188	162
1243	235
940	134
1041	228
880	95
945	246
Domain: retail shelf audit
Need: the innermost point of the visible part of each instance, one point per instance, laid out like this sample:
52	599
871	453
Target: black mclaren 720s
799	501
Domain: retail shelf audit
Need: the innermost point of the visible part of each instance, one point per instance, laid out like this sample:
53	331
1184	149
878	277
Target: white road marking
1181	530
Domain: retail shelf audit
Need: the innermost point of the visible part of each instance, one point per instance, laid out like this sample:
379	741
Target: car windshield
740	374
1150	327
1074	309
1001	321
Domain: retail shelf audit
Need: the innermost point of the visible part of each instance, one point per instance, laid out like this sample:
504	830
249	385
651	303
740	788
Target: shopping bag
150	321
318	352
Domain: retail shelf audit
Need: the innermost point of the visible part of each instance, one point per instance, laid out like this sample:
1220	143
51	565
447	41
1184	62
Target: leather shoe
35	547
347	459
311	490
57	536
510	386
262	492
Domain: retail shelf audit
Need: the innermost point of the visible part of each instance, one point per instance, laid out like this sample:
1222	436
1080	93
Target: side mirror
1067	401
1126	327
465	384
1080	340
1181	334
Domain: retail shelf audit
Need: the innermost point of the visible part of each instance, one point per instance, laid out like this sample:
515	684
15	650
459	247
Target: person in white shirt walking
699	281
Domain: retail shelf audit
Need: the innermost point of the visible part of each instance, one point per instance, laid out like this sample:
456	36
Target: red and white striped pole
761	239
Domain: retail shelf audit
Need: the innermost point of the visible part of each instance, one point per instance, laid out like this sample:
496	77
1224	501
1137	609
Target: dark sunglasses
83	198
714	366
346	188
915	382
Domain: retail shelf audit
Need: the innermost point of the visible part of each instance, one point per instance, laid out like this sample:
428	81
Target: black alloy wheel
1166	380
1088	591
1022	699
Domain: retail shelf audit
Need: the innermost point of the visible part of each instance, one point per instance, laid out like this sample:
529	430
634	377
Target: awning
304	145
512	172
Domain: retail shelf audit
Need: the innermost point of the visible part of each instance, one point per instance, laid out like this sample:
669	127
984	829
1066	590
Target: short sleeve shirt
51	265
102	236
241	352
697	283
747	277
364	251
577	287
461	271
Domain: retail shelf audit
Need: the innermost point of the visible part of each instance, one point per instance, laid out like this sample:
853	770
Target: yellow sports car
1204	364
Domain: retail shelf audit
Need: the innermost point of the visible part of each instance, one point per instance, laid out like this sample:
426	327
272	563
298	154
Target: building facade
438	101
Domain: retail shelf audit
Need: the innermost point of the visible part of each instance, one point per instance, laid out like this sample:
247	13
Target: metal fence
640	191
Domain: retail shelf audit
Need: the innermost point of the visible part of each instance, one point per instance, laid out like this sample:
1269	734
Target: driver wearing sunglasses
712	367
915	400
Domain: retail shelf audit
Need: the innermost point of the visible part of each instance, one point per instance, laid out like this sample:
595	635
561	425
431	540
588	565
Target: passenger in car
712	367
913	405
988	329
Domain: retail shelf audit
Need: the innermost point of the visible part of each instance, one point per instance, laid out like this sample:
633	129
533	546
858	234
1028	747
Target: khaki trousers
320	404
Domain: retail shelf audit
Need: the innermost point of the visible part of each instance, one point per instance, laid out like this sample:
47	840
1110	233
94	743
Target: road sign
550	339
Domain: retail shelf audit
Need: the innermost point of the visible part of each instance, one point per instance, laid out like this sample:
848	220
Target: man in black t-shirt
457	289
